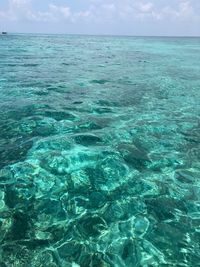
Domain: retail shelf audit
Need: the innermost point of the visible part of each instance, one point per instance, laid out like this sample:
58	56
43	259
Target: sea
99	151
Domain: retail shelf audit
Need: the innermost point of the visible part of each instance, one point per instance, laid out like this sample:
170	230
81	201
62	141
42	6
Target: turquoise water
99	151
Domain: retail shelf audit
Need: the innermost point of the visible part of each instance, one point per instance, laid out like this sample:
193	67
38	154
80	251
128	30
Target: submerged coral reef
99	151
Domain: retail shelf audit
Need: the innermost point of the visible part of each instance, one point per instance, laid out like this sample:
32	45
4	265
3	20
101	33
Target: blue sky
129	17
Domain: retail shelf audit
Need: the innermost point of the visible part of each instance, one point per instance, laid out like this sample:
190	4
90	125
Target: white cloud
60	11
23	10
18	9
139	10
101	10
184	12
19	2
146	7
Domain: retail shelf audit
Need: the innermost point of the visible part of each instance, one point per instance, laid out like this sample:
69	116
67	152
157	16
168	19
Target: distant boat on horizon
4	32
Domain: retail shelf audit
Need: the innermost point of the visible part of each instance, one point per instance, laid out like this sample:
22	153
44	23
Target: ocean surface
99	151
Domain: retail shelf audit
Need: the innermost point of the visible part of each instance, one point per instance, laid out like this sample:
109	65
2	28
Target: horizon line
106	35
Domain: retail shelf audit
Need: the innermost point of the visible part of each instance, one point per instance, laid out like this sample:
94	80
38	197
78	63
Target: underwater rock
42	258
46	183
80	181
101	81
164	208
133	155
88	125
96	259
55	162
11	196
60	115
5	226
109	174
51	226
41	235
155	255
137	186
37	126
186	176
71	250
14	151
22	192
42	92
65	127
134	227
126	228
14	253
20	225
192	135
2	202
106	103
102	110
53	232
169	235
114	212
45	129
87	139
6	177
91	225
24	170
63	162
131	253
54	143
97	199
131	206
141	225
82	159
127	250
158	163
103	121
114	259
77	102
77	205
9	128
51	207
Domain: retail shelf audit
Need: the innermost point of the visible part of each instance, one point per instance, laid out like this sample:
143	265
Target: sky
115	17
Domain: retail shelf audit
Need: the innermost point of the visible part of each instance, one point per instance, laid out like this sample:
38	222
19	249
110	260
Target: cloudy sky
129	17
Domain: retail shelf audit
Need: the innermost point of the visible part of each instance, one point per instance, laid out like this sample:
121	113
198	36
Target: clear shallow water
99	151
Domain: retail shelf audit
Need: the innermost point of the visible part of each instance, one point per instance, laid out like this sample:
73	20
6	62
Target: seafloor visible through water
99	151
